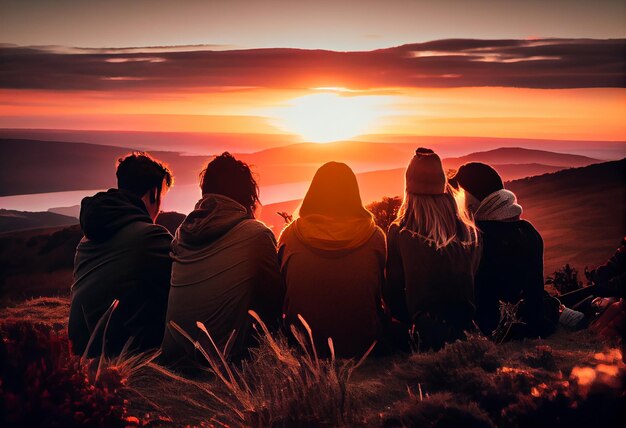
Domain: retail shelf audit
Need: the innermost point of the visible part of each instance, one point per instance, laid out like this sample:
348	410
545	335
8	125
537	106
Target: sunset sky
321	71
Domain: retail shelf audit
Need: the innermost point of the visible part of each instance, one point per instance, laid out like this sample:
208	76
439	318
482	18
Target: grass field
571	379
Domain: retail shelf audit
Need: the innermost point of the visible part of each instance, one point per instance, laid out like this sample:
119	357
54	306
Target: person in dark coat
332	258
433	252
225	263
125	256
511	266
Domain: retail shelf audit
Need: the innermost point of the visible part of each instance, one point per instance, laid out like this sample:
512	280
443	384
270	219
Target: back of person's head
429	209
478	179
334	192
138	172
230	177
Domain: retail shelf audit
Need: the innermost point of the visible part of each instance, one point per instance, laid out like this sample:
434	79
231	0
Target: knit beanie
424	175
477	178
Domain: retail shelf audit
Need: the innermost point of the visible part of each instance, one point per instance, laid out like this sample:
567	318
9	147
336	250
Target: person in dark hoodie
511	267
433	253
225	264
333	258
125	256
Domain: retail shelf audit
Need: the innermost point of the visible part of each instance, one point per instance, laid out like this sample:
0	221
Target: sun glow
327	117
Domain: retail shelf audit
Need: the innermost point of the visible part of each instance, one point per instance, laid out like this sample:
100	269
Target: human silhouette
125	256
332	257
225	263
511	266
432	257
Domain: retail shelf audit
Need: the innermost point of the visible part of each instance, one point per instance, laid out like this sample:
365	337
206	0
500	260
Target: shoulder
378	239
145	234
530	229
393	231
287	235
257	231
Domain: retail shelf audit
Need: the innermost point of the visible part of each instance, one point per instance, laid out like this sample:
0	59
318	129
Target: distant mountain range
518	155
33	166
206	144
18	220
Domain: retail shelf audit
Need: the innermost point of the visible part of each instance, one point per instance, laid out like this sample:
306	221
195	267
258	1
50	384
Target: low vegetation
570	379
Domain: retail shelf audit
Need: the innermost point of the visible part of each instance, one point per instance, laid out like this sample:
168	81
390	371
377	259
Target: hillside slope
580	212
20	220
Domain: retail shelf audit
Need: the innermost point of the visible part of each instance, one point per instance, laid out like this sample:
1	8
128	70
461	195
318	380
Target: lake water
180	198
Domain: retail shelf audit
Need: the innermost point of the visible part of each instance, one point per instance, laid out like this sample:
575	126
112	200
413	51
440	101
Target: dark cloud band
544	63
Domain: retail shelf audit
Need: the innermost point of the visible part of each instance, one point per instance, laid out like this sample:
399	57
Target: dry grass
52	311
566	379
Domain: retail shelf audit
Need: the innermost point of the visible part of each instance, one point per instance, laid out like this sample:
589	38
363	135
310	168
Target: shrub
43	384
385	211
565	279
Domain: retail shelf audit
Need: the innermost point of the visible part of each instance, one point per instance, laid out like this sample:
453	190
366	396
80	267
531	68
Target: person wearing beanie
432	255
511	266
332	258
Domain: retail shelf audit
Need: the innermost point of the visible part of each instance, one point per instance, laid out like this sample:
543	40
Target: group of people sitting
457	249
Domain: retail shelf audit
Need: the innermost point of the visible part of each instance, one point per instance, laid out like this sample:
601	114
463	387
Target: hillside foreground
569	379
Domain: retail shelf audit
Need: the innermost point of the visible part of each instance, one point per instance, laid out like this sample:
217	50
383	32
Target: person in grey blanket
225	263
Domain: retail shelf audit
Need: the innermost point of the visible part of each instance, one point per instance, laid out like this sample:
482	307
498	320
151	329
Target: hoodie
125	256
225	264
334	271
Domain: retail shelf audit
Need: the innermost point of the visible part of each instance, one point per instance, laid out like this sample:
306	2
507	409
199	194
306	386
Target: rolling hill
19	220
581	212
506	155
34	166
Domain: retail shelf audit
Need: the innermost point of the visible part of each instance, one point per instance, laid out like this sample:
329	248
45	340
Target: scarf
499	206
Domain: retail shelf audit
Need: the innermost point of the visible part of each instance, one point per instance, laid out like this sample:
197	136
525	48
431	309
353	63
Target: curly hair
233	178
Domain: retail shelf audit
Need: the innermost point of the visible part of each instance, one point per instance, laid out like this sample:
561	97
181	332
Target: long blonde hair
438	219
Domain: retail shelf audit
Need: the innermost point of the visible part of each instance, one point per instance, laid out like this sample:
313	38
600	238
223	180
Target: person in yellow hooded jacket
332	258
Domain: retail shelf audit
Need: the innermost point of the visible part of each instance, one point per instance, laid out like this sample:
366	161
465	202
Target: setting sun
329	117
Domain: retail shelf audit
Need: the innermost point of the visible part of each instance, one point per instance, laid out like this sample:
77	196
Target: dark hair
139	172
230	177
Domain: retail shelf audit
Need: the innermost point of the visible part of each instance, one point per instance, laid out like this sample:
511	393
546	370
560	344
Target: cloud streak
542	63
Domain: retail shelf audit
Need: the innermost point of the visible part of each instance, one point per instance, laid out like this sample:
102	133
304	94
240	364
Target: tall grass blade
229	343
369	350
208	358
104	336
222	357
104	316
310	332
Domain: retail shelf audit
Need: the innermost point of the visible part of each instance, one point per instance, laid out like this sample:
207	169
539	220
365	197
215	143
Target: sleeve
394	289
